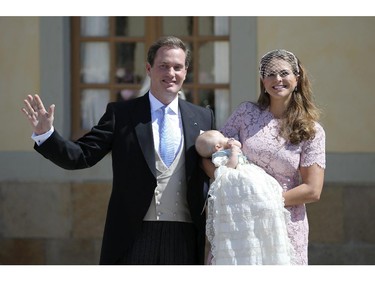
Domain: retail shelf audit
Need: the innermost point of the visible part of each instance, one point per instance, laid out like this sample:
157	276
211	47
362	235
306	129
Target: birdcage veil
268	63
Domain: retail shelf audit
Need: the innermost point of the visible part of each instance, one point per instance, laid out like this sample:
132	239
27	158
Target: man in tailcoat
156	210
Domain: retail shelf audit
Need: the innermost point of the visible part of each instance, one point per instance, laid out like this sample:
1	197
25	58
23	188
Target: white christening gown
246	218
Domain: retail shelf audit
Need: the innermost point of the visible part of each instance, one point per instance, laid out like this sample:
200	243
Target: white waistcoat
169	201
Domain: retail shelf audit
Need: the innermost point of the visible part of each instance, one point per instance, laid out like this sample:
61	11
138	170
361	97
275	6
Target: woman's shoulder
248	106
319	128
319	136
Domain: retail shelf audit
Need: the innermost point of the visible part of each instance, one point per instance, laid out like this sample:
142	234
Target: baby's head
211	141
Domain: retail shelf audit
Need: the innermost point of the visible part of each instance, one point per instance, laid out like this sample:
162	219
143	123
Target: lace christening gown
246	218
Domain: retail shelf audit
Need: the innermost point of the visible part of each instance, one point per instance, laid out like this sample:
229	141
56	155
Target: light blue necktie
166	145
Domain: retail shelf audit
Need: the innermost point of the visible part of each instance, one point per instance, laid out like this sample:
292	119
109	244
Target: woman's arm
310	189
208	167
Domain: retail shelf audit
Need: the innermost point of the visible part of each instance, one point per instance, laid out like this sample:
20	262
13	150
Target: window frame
153	30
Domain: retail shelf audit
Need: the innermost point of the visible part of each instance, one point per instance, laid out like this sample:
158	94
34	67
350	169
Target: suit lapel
191	132
141	117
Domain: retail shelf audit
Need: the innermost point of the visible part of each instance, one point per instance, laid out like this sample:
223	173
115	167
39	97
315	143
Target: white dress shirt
39	139
174	114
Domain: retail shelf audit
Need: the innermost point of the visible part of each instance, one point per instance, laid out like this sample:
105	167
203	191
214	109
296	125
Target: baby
246	219
214	144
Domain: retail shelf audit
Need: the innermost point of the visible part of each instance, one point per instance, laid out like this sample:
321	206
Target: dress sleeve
313	151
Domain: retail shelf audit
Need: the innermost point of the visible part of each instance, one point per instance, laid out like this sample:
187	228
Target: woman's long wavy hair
298	120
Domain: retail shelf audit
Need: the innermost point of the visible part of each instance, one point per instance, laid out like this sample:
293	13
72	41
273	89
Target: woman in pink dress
281	134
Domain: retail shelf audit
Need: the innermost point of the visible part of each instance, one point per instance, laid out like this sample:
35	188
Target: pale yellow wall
19	75
337	51
339	54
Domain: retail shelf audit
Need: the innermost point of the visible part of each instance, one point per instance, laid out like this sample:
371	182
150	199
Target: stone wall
342	225
62	224
53	224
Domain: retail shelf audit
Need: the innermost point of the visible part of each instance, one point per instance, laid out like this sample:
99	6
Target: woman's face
279	80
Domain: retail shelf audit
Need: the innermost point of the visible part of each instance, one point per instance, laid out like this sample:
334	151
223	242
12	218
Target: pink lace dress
257	130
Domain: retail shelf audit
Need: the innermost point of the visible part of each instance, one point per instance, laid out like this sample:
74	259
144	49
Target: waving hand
40	119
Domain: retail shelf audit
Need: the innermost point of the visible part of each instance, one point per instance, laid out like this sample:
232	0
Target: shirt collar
156	104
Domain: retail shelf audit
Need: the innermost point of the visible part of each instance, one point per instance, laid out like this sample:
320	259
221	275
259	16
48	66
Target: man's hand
41	120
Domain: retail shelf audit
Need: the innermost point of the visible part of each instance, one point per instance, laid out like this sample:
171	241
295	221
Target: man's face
167	74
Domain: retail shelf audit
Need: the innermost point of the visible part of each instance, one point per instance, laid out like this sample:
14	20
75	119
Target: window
109	55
